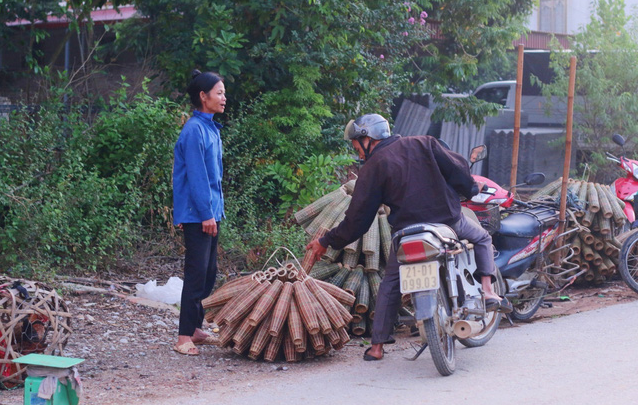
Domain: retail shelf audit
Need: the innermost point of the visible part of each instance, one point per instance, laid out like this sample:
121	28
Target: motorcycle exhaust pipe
465	329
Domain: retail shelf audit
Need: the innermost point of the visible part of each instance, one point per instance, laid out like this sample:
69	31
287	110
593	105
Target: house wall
578	14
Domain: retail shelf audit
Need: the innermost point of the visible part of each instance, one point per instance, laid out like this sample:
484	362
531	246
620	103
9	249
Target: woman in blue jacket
198	203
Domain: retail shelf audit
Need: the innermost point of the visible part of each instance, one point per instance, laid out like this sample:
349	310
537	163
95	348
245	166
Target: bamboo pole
568	153
517	118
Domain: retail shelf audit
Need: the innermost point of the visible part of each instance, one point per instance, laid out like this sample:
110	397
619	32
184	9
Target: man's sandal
369	357
186	349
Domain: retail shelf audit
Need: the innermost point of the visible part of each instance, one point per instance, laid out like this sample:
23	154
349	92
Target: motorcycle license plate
419	277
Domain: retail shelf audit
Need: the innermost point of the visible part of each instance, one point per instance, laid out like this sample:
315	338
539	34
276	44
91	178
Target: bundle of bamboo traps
280	309
358	267
33	319
596	250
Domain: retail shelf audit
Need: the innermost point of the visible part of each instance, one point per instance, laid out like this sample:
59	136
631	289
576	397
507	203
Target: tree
606	83
364	52
298	70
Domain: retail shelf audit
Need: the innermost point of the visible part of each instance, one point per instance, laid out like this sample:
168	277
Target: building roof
104	15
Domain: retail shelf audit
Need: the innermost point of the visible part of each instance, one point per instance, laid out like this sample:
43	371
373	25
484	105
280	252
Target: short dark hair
201	82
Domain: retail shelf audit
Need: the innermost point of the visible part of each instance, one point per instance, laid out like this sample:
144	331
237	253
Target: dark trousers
200	272
389	295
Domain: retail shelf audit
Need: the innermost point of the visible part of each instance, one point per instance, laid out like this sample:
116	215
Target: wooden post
517	118
568	152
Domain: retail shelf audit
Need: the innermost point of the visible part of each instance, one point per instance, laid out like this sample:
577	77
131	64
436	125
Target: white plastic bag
170	293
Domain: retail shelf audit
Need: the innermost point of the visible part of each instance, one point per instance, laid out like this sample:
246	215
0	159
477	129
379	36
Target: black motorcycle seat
520	225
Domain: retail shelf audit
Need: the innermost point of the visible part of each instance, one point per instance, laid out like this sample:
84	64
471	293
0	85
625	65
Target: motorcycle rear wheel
628	262
492	321
528	302
440	343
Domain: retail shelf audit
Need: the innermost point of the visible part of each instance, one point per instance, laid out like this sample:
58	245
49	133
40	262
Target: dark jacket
416	177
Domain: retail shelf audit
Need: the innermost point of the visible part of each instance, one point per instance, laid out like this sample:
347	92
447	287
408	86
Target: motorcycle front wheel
492	321
628	262
440	343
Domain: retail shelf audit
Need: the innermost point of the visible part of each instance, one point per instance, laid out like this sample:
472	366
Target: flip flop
504	306
368	357
185	349
209	340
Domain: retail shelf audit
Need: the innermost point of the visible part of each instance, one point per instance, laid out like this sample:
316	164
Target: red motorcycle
523	235
626	189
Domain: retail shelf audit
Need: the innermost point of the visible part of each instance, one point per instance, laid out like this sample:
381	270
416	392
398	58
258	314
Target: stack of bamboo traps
280	310
596	249
358	267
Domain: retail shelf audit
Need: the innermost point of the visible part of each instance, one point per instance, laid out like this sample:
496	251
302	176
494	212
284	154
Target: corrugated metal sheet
412	119
462	138
540	150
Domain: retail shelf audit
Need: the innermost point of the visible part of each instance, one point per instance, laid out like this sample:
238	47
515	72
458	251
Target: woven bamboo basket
279	312
33	319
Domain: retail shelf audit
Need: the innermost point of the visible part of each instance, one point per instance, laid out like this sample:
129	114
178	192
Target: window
552	16
496	95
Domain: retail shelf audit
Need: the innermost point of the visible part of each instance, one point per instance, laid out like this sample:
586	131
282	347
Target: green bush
79	191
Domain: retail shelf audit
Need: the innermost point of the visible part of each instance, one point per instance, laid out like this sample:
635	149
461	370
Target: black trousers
200	272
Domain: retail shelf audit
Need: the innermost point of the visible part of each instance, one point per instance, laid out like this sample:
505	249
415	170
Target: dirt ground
128	357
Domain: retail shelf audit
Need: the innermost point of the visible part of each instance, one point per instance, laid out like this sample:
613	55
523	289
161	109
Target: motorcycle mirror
478	153
534	179
618	139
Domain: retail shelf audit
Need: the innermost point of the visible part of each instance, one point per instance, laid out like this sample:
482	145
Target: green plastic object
63	395
44	360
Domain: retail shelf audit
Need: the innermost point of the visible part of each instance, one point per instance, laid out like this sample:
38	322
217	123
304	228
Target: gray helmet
370	125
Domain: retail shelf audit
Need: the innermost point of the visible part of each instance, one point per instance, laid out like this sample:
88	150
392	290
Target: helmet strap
366	150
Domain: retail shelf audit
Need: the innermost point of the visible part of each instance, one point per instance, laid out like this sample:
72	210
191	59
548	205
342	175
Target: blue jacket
197	171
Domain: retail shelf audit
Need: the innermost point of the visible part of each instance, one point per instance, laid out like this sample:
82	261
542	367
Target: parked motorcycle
437	271
523	235
626	188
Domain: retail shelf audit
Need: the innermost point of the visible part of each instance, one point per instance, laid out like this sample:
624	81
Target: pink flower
422	21
405	33
408	4
424	15
381	56
411	20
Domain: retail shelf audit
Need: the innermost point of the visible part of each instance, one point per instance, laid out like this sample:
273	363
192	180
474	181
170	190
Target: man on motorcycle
420	181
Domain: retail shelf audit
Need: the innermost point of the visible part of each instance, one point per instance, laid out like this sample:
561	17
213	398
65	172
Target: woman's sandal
186	349
209	340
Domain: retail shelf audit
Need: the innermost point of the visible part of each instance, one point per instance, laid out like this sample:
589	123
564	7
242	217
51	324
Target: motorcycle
437	272
626	188
524	236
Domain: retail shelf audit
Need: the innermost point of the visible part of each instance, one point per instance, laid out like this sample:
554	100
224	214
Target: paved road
587	358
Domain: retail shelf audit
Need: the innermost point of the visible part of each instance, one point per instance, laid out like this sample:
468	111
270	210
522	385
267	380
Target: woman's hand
210	227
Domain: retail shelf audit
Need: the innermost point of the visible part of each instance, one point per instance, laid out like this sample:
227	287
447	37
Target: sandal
504	306
186	349
369	357
208	340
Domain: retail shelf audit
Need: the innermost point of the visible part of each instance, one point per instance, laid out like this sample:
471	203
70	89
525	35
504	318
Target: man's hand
480	185
317	249
210	227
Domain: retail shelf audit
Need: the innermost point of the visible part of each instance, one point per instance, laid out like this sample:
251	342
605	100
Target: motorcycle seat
519	225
